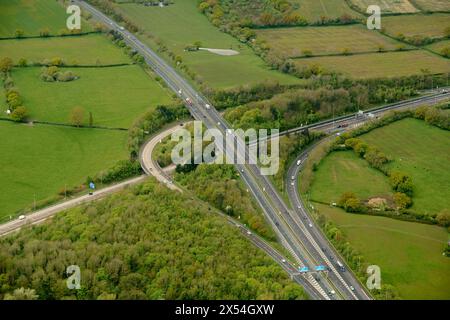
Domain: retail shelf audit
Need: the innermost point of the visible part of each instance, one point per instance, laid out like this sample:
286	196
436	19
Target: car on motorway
122	28
207	106
299	162
293	178
188	101
352	288
21	217
283	260
292	183
249	233
340	265
332	292
310	225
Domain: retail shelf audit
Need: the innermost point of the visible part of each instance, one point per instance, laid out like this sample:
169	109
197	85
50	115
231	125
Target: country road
46	213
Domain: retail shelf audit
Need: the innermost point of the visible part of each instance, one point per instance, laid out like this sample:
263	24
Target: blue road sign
92	185
320	268
304	269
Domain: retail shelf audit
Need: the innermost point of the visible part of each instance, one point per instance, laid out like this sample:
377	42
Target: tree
22	294
19	113
77	116
307	52
350	202
443	218
45	32
6	64
447	32
402	201
19	33
23	62
198	44
401	182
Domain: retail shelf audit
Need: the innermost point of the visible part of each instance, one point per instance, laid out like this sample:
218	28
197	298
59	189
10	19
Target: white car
292	183
310	225
298	162
283	260
22	217
249	233
352	288
207	106
332	292
293	178
122	28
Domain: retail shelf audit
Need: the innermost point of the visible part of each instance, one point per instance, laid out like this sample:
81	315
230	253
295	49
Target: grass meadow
313	10
38	161
422	151
409	254
343	171
430	25
31	16
115	95
92	49
381	65
291	42
432	5
181	24
387	6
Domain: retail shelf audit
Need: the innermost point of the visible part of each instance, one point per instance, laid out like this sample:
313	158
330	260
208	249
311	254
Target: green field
432	5
31	16
422	151
343	172
387	6
313	10
439	46
432	25
182	24
90	49
376	65
115	95
39	160
290	42
409	254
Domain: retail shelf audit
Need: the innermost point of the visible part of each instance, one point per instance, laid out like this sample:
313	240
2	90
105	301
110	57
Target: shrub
401	182
19	114
402	201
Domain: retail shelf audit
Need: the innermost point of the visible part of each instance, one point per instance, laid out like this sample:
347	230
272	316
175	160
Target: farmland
419	150
215	70
37	161
292	42
432	25
344	172
432	5
32	16
376	65
93	49
387	6
313	10
115	96
409	254
439	46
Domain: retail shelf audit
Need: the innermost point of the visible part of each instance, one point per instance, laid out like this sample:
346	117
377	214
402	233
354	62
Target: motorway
291	229
150	166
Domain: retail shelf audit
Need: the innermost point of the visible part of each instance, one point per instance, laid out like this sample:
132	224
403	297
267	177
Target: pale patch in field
221	52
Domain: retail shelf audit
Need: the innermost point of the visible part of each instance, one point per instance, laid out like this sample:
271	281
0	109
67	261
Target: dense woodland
144	243
221	186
